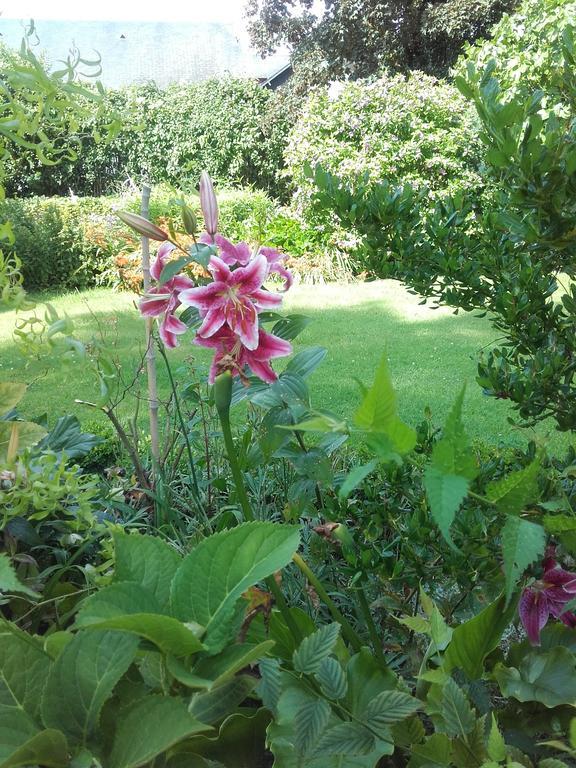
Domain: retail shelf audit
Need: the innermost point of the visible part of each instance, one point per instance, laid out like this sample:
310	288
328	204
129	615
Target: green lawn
431	353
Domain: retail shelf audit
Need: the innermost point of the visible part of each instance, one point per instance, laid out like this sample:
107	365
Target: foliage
356	39
169	136
507	258
396	129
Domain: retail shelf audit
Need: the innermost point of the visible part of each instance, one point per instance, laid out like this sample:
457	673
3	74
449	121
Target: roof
138	52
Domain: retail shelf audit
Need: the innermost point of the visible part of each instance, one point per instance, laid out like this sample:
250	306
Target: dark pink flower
231	354
545	597
164	299
233	299
229	253
275	259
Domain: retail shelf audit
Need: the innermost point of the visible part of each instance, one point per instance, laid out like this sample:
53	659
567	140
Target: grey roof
135	52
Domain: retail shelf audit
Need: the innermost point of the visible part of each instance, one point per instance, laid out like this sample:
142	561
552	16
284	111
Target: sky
125	10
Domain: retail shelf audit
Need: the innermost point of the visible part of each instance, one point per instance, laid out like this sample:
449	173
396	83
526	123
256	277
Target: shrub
400	129
230	127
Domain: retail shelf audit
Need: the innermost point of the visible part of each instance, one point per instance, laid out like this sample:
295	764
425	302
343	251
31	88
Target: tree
356	38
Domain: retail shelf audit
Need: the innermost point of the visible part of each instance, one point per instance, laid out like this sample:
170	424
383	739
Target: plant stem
481	499
347	630
371	627
224	414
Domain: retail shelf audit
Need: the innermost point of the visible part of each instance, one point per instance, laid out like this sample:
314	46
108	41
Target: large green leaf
388	436
523	542
445	494
47	748
82	679
346	739
9	582
389	707
24	669
512	492
434	753
25	434
16	728
310	722
220	668
213	706
213	576
305	362
457	714
11	392
270	685
149	728
548	677
473	640
366	680
149	561
129	607
315	648
67	437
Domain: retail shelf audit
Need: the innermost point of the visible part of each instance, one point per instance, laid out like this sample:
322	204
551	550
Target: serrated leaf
473	640
9	582
149	728
406	733
346	739
415	623
355	477
332	679
315	648
436	751
457	714
211	579
512	492
82	679
148	560
496	744
270	685
24	669
522	543
558	524
387	708
310	721
47	748
445	495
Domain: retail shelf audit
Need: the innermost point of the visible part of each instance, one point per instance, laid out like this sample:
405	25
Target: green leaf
214	705
11	393
67	437
558	524
9	581
436	751
496	744
306	361
172	268
458	716
389	707
232	659
355	477
26	433
378	414
310	721
549	678
291	326
415	623
82	679
270	685
149	728
24	669
512	492
346	739
214	575
16	729
366	680
47	748
148	560
522	543
445	495
473	640
315	648
409	732
128	607
332	679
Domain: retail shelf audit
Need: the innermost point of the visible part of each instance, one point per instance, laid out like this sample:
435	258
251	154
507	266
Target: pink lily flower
234	298
229	253
547	597
208	203
164	299
275	259
231	354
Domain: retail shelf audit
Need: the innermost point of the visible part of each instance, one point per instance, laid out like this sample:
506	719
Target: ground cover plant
252	576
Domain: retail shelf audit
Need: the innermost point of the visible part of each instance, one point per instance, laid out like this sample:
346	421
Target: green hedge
232	128
69	243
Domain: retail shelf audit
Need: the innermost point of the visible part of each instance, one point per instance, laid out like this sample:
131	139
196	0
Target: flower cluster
228	306
547	597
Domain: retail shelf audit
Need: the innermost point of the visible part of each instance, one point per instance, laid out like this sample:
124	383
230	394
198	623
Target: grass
431	354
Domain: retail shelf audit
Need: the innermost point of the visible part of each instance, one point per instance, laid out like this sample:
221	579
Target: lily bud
208	203
189	220
142	225
223	392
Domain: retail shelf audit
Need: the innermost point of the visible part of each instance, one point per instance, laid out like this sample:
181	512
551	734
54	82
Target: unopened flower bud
208	203
142	226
